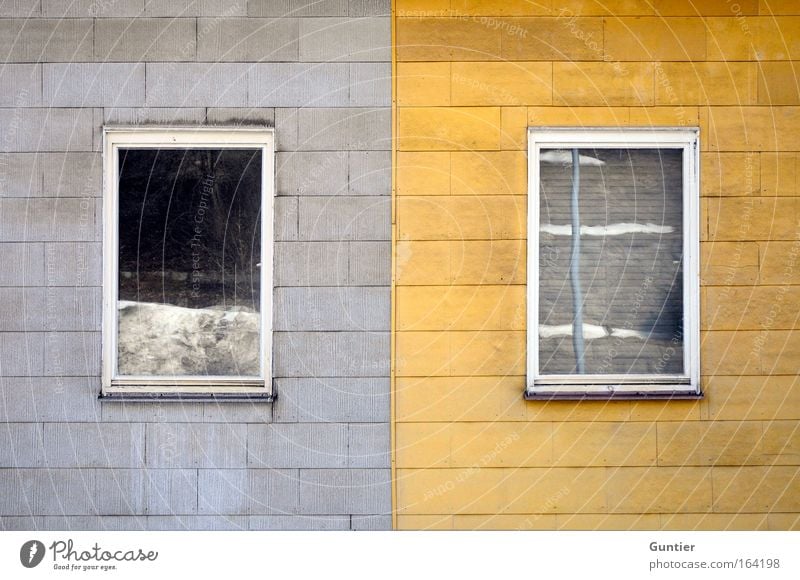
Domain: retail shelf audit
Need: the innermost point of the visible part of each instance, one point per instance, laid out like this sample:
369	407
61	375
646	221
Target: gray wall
320	73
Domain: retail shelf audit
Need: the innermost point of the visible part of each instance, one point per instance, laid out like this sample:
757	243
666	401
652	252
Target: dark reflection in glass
189	262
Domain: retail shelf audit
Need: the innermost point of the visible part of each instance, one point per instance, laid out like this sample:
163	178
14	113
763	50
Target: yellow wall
472	75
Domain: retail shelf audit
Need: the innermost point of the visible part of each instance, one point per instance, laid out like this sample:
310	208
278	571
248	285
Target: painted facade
399	349
470	452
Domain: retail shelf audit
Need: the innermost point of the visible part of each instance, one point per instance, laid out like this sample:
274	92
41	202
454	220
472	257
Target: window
187	251
613	278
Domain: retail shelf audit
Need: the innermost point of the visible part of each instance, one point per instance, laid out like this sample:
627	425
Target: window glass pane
625	289
189	262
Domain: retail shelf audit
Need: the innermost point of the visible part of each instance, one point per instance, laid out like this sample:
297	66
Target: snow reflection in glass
189	262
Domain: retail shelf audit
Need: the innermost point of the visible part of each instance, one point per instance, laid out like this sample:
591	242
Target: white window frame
212	387
686	385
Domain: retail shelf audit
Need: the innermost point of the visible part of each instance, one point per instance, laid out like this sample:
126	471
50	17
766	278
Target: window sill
128	396
562	395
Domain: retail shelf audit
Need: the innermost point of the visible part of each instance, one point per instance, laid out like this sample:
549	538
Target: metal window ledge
543	395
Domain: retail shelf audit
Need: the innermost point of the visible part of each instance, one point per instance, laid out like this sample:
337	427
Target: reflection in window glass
189	262
611	299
